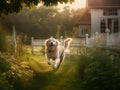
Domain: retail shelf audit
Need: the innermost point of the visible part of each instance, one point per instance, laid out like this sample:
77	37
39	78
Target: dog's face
51	44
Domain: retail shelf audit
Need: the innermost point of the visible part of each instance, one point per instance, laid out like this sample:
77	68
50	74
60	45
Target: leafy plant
3	42
9	6
97	72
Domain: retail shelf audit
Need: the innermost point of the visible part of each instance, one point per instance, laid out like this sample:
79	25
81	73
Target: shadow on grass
63	78
39	81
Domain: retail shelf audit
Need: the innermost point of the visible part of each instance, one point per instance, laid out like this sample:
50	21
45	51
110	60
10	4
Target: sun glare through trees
75	5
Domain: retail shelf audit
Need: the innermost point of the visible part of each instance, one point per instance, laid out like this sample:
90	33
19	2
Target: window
103	26
115	25
84	31
110	11
110	23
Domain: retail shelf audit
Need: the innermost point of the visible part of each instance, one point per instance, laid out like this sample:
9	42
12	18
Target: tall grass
97	71
13	72
3	41
93	70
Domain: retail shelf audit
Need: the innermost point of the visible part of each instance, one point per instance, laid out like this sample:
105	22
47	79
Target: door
110	23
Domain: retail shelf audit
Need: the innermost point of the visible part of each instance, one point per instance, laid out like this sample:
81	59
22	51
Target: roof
103	3
85	19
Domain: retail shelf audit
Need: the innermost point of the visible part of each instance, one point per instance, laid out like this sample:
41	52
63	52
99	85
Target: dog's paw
54	66
49	63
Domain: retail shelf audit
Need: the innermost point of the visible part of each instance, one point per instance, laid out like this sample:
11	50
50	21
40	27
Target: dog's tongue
52	47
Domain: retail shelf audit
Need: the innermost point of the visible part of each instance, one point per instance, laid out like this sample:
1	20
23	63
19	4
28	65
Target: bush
4	65
97	72
13	73
4	85
3	42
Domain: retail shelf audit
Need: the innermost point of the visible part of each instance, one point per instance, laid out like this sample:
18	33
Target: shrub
3	42
4	65
4	85
97	72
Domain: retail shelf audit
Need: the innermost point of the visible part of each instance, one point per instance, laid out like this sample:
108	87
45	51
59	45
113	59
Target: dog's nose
51	43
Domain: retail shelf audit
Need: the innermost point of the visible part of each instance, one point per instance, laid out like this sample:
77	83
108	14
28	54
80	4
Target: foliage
44	22
4	66
4	85
3	42
10	6
13	73
92	71
97	72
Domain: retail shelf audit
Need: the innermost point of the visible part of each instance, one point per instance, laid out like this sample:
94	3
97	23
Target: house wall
82	33
119	19
96	14
119	22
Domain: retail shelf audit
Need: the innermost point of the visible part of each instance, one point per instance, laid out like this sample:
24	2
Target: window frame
110	11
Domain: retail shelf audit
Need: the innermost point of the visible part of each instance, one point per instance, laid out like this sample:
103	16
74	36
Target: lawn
96	70
45	78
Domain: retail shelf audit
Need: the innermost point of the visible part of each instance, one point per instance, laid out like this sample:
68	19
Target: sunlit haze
75	5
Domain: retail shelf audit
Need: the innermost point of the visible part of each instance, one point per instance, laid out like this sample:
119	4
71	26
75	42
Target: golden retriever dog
55	50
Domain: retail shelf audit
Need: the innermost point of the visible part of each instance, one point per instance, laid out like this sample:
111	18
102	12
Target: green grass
45	78
82	72
93	71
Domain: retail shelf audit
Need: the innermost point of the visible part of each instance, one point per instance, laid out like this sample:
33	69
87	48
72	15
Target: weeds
91	69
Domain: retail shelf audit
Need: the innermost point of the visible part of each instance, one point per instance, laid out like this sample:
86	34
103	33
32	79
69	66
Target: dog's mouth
51	48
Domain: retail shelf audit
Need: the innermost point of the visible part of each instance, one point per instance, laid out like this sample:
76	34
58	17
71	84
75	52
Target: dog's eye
52	43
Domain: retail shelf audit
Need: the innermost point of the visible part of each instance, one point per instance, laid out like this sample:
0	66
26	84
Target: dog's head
51	44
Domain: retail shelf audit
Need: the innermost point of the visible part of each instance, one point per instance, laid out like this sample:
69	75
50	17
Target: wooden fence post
32	47
107	37
86	40
61	40
14	42
119	38
96	38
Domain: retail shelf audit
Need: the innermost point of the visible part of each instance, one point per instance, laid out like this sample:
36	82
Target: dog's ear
57	43
46	43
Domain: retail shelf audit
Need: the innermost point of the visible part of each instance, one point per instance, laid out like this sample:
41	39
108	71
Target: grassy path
46	78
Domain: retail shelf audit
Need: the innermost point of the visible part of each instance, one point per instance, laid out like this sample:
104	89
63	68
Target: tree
10	6
43	22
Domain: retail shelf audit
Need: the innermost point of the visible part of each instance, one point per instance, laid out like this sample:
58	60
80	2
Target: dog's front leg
55	64
57	60
48	60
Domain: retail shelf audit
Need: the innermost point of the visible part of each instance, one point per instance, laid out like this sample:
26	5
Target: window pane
110	11
102	26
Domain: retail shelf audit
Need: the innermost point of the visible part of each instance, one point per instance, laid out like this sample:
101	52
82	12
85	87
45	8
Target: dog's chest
52	55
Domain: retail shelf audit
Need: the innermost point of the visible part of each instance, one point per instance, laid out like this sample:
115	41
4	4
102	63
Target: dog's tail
67	42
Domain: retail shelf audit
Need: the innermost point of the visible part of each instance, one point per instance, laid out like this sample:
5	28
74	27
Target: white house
84	24
101	16
104	14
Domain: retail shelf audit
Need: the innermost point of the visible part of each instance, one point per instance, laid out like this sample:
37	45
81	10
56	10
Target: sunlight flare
75	5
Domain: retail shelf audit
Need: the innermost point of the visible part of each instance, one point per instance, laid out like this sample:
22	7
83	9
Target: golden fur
56	51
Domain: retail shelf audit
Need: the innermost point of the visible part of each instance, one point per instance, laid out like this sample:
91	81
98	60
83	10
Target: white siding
81	32
119	19
96	14
119	22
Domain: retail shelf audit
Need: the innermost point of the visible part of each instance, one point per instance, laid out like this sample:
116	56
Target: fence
107	40
104	40
35	43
